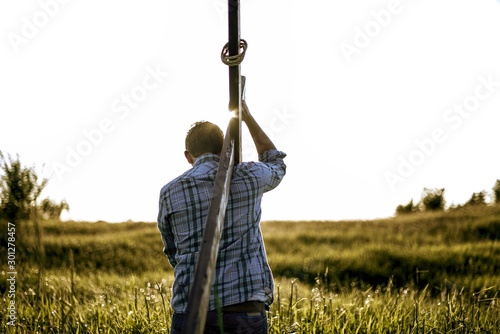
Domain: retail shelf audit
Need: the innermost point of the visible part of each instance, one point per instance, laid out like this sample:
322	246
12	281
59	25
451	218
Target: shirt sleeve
166	232
275	168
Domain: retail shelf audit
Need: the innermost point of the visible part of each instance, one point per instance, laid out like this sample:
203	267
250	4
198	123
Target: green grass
459	247
107	303
424	273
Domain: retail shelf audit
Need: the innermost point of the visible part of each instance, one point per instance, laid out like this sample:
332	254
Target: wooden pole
205	268
199	294
235	84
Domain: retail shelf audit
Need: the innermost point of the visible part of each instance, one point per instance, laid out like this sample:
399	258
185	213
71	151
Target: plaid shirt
242	271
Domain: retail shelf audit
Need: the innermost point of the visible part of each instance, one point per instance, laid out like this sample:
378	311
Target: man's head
203	137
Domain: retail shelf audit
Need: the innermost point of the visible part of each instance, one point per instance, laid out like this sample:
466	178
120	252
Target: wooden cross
199	293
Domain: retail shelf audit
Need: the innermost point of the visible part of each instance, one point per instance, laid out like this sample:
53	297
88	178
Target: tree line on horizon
433	199
20	189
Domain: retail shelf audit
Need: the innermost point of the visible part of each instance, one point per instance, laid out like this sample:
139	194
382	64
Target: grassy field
423	273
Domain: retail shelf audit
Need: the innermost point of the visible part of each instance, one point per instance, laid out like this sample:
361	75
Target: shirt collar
206	157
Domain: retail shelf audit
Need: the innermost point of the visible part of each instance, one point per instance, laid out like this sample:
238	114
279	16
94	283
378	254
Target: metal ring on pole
236	59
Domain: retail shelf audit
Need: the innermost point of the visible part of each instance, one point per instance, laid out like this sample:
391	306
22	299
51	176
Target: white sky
345	88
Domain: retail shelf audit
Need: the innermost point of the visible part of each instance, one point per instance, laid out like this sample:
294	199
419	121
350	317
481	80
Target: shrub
477	199
19	189
433	199
406	209
496	192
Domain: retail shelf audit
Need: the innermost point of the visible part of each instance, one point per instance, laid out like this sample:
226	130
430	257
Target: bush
52	210
433	199
406	209
496	192
477	199
19	189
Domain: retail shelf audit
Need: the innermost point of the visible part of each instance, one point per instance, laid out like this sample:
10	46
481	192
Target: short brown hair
204	137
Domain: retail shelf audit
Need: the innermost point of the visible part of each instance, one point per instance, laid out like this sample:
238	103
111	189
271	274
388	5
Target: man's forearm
262	142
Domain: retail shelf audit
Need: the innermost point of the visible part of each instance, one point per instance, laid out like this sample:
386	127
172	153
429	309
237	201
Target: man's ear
189	157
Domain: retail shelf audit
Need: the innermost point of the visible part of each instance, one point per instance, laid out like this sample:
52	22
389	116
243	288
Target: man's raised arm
262	142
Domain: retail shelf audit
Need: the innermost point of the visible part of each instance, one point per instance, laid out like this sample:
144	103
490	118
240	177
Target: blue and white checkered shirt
242	272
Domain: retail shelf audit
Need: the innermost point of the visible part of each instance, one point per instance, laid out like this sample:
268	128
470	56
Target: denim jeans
233	322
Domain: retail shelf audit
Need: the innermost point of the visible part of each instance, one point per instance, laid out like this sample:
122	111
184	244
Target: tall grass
384	310
426	273
459	247
100	303
108	303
